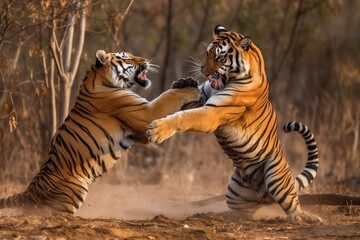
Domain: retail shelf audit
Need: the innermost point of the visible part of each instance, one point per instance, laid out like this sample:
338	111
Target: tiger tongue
142	75
217	84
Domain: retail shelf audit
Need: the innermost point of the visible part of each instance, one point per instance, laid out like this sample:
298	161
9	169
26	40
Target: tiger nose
144	65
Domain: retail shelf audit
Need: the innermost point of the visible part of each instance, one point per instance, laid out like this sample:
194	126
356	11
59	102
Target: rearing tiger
238	111
105	121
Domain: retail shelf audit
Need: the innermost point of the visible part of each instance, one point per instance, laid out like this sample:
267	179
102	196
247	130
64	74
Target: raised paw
185	82
160	130
301	216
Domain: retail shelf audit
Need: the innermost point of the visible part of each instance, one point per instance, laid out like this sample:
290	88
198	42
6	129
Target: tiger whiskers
194	65
153	68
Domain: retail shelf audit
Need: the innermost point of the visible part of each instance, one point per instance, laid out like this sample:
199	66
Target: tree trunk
53	108
64	99
66	57
168	47
50	84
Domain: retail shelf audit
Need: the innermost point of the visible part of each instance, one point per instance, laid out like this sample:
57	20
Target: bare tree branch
116	24
49	80
53	108
79	46
69	40
128	8
55	52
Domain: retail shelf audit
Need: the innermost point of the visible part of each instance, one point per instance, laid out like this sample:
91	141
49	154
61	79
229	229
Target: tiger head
123	69
229	56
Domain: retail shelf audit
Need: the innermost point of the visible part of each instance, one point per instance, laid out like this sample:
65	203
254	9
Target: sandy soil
338	224
154	212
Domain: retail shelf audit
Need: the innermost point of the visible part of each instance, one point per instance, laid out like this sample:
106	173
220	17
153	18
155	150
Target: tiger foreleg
187	82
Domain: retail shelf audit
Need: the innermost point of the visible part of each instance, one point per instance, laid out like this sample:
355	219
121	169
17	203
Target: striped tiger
107	118
237	109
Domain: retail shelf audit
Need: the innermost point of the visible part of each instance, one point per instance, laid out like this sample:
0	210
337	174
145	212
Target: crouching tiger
238	111
107	118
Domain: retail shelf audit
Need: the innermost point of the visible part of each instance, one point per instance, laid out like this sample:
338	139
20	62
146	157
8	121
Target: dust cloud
141	202
135	202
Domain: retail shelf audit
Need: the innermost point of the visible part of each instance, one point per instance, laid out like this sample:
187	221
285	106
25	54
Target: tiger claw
301	216
175	85
185	82
149	132
149	135
159	130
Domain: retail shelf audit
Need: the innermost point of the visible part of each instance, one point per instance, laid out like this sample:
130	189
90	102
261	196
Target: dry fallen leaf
12	122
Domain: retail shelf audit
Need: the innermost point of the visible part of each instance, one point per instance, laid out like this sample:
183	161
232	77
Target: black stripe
313	166
233	192
55	186
310	148
300	182
308	175
103	166
241	184
72	158
86	130
313	157
259	138
113	155
83	168
87	146
107	135
228	197
284	196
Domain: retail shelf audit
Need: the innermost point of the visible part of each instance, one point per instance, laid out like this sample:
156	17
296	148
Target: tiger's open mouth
217	81
140	76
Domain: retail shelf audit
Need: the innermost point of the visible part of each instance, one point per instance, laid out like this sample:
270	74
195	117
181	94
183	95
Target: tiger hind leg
280	185
300	215
240	197
242	207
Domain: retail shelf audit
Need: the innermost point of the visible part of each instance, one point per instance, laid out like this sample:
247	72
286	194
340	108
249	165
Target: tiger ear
217	30
102	58
245	43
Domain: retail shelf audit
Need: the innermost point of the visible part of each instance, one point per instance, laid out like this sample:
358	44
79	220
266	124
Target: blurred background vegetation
311	49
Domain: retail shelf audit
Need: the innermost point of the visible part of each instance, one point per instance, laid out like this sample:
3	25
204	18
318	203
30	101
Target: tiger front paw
185	82
160	130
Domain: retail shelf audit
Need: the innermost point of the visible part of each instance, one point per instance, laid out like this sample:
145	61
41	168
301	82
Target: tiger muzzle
144	66
140	75
217	80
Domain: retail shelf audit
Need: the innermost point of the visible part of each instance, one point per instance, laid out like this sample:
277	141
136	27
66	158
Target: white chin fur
149	84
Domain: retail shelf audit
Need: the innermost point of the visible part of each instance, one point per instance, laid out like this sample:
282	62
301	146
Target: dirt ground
339	223
154	212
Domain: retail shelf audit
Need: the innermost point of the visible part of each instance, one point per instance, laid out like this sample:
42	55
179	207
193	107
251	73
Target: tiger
106	119
238	111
